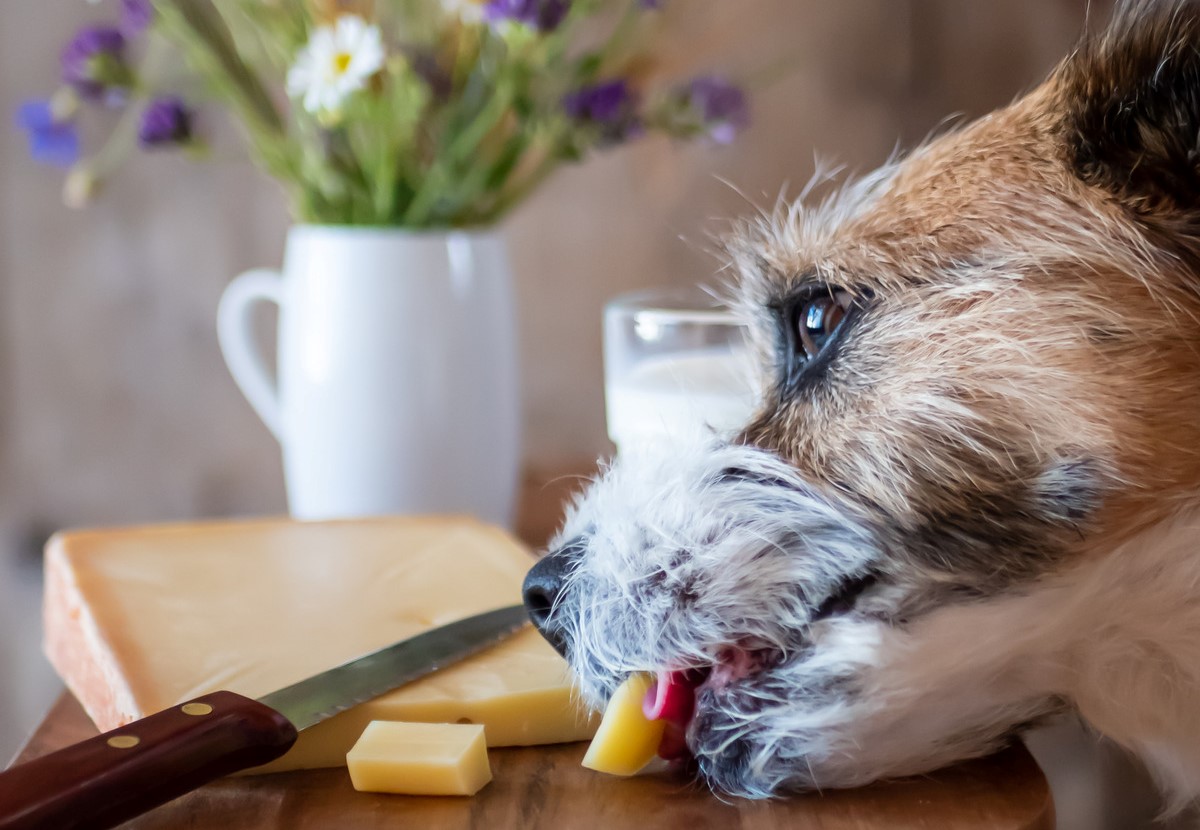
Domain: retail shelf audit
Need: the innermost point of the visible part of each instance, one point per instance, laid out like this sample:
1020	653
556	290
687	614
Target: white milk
675	393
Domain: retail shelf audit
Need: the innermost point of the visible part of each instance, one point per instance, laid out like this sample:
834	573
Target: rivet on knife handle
106	780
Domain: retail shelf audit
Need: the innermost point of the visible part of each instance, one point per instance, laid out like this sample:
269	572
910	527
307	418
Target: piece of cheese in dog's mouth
646	717
138	620
626	739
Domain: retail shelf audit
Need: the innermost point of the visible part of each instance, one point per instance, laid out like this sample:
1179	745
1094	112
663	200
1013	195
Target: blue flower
544	15
51	141
165	121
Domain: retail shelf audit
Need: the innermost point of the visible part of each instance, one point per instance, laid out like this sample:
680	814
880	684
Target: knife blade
103	781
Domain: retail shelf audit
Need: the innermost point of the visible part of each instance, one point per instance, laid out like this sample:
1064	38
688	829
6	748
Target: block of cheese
420	759
626	741
140	619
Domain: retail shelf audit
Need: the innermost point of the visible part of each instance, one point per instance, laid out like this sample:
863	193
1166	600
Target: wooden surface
545	787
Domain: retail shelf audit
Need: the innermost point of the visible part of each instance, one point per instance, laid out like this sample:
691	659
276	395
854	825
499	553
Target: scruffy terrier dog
970	497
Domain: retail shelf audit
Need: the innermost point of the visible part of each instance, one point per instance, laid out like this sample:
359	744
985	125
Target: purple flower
545	15
650	4
136	16
609	105
165	121
720	107
94	62
51	141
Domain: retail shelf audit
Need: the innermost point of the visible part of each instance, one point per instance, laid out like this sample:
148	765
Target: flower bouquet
403	131
411	113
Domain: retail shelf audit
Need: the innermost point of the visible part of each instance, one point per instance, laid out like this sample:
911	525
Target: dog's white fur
1116	635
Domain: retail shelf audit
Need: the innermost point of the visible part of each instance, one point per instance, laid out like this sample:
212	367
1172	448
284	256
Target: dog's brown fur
1030	316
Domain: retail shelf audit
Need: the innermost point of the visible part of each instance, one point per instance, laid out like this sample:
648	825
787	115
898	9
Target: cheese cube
626	741
420	759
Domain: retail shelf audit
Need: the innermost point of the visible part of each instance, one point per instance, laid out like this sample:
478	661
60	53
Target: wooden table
546	788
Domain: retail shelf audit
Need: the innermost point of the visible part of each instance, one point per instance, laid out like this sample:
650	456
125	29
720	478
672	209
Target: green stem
517	194
202	17
124	133
774	71
614	44
459	151
197	27
383	181
469	139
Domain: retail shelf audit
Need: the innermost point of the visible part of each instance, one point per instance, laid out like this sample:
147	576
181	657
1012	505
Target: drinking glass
675	361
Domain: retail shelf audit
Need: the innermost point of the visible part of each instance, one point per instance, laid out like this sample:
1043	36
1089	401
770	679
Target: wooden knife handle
106	780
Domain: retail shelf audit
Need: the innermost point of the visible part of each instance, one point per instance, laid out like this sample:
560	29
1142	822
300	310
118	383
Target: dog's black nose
543	591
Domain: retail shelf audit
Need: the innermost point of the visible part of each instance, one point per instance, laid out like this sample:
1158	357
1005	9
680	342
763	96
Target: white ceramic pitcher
397	371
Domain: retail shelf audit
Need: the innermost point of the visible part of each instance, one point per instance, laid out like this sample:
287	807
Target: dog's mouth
673	696
672	699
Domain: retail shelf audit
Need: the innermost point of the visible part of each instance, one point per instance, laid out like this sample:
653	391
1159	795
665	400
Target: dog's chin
733	743
763	733
734	732
727	753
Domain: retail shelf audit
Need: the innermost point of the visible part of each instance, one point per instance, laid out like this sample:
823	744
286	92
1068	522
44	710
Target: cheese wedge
140	619
420	759
626	740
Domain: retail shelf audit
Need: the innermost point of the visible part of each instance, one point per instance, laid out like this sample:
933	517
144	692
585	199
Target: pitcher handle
235	333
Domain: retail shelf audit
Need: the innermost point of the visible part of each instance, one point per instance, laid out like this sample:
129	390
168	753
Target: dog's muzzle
543	590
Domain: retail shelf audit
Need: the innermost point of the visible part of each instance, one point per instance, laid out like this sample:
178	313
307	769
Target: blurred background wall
116	406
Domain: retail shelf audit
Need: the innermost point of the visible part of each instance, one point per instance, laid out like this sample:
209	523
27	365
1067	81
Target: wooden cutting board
140	619
544	788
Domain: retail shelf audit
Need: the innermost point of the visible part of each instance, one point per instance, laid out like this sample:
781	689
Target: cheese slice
627	740
420	759
137	620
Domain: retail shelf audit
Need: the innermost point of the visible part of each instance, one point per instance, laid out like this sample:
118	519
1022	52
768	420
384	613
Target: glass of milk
675	361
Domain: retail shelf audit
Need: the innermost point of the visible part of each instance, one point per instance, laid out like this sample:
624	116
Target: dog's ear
1130	104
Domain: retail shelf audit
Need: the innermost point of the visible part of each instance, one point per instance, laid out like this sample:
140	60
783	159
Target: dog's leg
956	681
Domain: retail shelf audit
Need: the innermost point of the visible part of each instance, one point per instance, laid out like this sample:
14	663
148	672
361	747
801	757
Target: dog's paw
852	708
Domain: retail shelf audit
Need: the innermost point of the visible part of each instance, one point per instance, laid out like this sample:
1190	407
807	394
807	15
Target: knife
106	780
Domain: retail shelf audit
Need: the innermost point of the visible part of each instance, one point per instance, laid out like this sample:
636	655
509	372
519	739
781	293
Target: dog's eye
818	318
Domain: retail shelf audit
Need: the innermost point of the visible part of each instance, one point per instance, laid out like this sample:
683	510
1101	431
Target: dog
969	498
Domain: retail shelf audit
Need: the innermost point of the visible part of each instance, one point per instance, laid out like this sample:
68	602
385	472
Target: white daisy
337	61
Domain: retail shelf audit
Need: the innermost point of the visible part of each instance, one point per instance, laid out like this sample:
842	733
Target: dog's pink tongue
672	698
